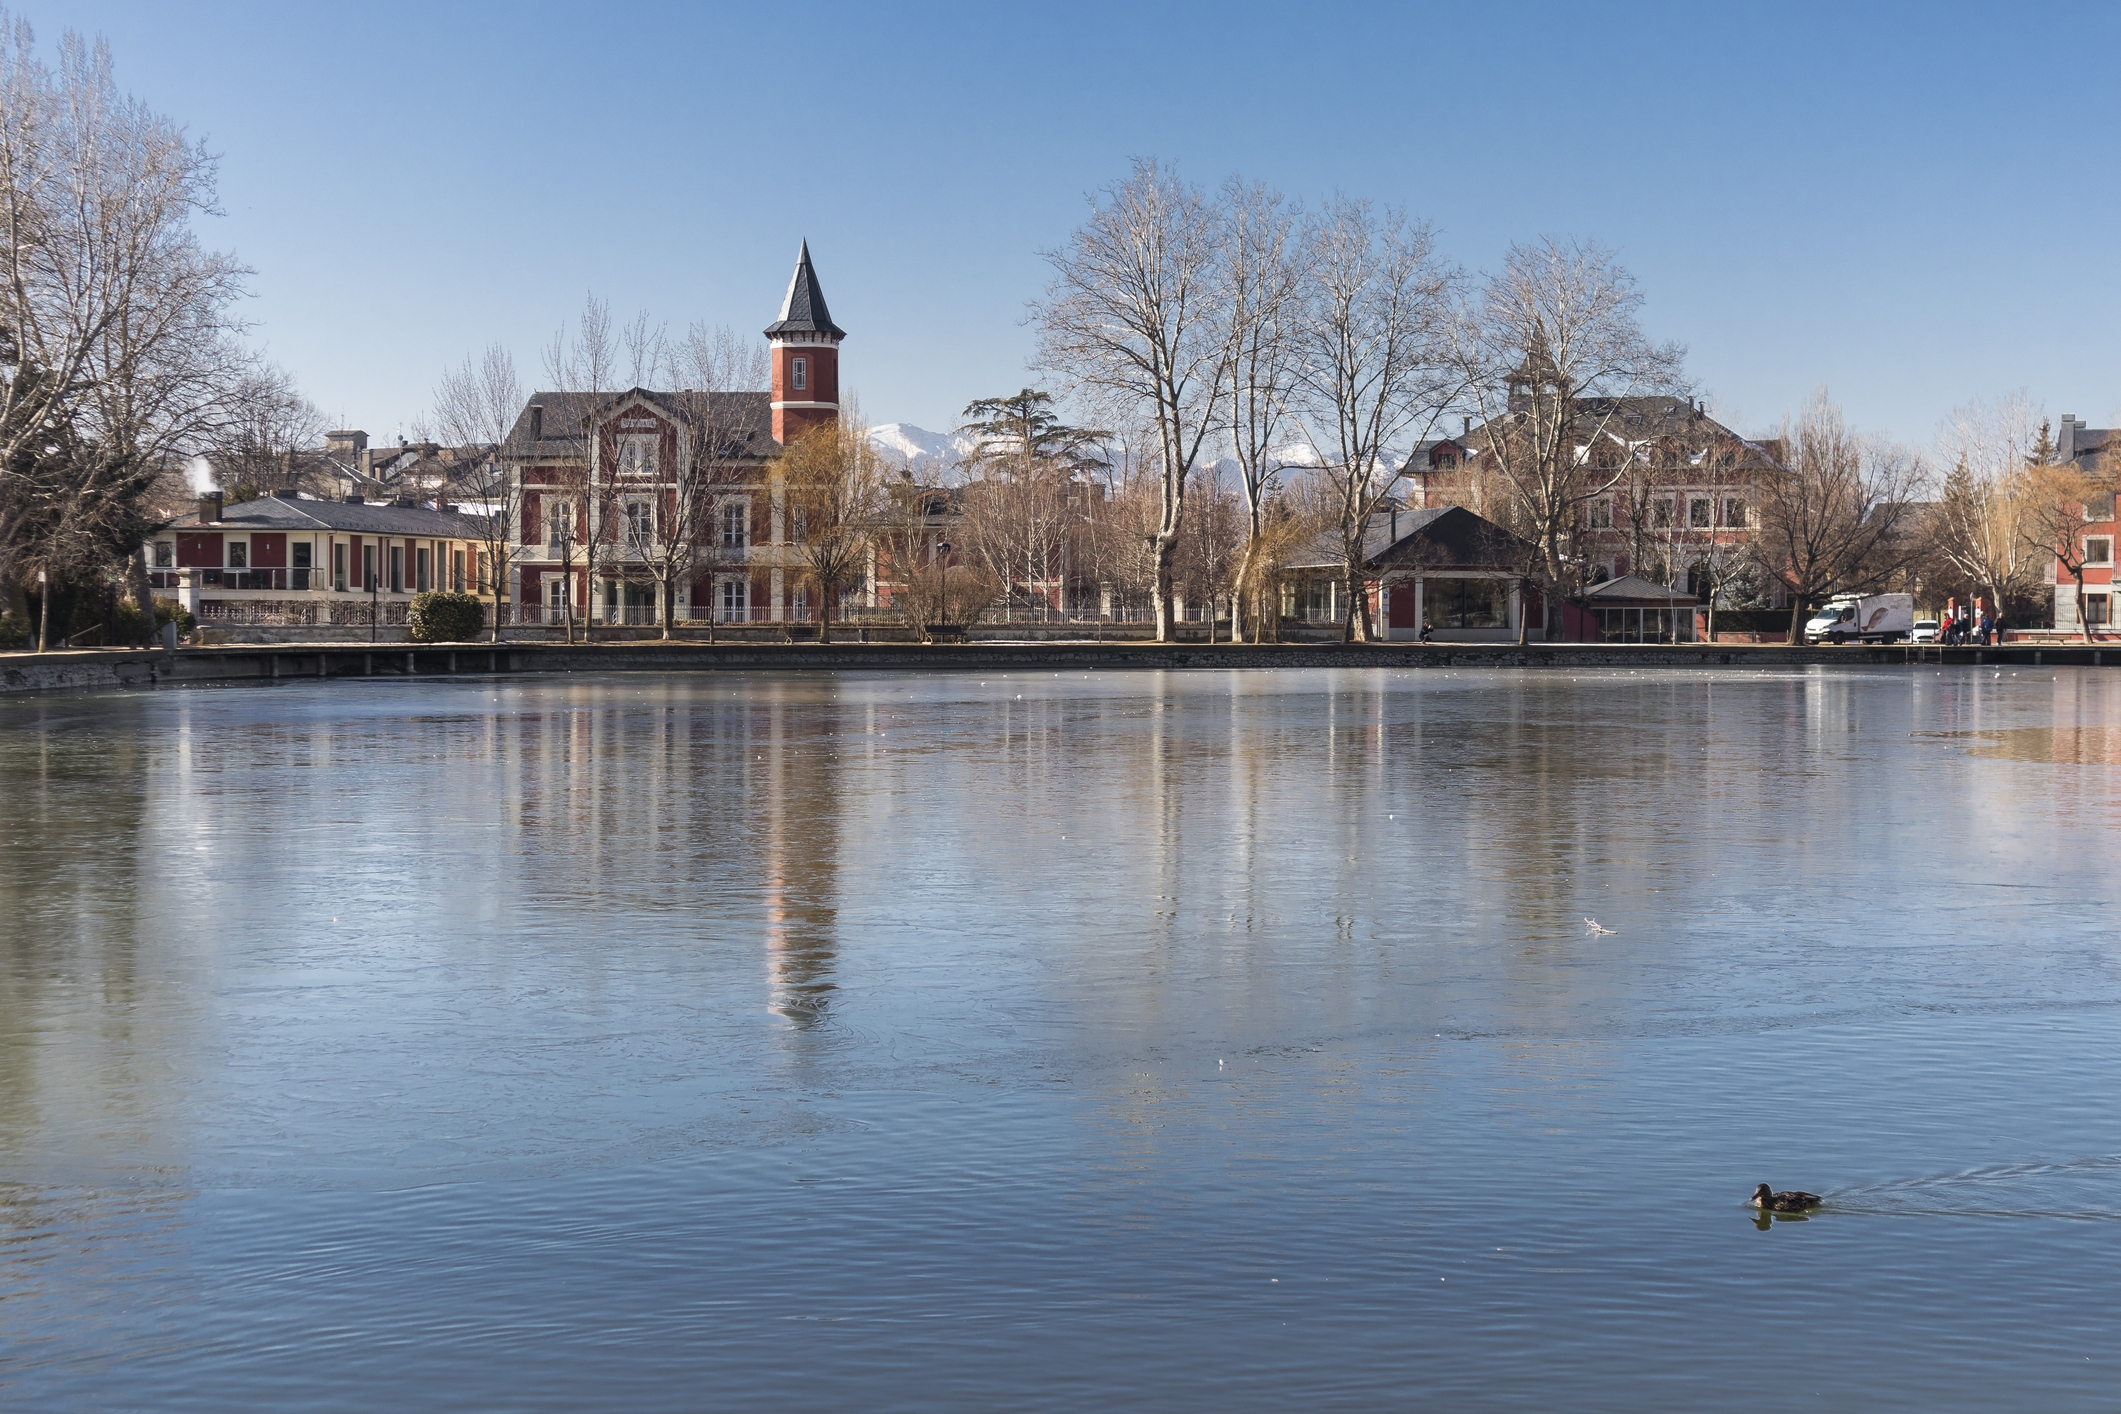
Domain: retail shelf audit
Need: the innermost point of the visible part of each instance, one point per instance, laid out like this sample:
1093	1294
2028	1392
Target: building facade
294	560
2093	450
637	505
1671	494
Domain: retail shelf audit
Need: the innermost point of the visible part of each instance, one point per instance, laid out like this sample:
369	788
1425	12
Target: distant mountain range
932	454
926	452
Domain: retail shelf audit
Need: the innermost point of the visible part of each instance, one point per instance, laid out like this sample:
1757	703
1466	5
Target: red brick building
601	474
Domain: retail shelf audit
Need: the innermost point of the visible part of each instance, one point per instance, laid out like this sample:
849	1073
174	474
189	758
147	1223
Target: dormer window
799	373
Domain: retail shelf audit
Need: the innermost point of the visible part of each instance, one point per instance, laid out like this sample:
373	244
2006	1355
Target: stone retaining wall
93	669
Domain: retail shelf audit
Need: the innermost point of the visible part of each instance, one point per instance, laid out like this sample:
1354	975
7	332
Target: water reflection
1110	1040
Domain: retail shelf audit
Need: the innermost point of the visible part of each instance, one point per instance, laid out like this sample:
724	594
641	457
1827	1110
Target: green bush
446	618
169	611
14	631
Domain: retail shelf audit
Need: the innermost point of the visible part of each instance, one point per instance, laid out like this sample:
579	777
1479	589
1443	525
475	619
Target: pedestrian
1426	630
1986	628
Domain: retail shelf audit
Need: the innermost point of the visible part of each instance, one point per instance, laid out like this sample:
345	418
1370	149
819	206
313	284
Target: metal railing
299	578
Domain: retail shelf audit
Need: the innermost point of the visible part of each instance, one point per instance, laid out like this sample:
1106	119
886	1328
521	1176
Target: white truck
1863	618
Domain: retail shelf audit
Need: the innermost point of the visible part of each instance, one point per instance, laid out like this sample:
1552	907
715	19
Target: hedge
446	618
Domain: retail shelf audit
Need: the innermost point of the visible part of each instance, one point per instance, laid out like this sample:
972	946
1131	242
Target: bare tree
1833	517
587	362
833	485
1268	265
265	424
1023	506
1989	522
115	323
2057	498
1550	353
724	435
1374	366
1134	320
476	405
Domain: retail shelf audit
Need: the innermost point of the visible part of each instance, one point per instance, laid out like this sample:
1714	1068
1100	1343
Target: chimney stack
209	507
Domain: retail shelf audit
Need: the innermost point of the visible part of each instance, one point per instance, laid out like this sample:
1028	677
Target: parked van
1863	618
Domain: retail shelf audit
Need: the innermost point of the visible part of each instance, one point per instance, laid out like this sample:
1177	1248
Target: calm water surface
1124	1041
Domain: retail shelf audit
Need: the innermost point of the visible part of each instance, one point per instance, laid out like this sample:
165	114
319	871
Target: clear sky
1913	204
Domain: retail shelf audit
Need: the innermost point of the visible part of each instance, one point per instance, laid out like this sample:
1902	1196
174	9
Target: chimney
1465	426
209	507
537	422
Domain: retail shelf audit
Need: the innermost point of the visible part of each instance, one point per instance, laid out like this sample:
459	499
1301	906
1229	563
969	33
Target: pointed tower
806	357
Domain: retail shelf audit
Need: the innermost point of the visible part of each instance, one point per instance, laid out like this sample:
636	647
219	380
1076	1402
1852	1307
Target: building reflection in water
800	848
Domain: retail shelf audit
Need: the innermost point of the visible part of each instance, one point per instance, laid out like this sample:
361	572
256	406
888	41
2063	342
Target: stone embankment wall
93	670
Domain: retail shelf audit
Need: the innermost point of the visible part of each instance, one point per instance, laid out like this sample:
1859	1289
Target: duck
1794	1201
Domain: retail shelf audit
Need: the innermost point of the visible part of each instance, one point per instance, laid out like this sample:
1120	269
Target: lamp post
44	611
942	591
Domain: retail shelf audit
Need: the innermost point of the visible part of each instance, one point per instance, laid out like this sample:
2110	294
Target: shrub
14	631
446	618
169	611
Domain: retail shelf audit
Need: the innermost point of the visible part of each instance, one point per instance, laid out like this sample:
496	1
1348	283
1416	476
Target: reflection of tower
806	357
801	868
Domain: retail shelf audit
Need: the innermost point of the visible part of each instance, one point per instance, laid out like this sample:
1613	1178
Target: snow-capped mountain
929	453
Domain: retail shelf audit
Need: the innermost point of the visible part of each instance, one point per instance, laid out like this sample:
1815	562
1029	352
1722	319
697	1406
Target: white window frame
2105	559
637	455
734	530
1734	513
733	600
1600	515
799	374
1707	508
639	521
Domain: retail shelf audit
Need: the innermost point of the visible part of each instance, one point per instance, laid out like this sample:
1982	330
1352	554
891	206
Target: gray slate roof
748	417
803	311
1634	586
1434	537
279	513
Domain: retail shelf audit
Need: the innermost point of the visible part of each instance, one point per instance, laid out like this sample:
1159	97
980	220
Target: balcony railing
244	579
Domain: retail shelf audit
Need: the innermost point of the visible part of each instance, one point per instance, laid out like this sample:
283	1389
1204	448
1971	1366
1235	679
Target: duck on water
1794	1201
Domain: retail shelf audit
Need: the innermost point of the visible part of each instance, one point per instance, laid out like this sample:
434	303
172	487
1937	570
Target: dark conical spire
804	312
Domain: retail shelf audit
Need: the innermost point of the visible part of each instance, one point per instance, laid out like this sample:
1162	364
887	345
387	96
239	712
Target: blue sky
1915	205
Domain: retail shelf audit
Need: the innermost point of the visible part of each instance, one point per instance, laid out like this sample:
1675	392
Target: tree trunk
138	587
824	613
1524	615
1160	587
1796	620
1243	593
1357	627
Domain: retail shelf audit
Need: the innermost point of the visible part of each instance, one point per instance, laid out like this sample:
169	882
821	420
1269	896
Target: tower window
799	373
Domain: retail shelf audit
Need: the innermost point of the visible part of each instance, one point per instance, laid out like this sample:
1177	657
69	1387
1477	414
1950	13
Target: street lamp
942	592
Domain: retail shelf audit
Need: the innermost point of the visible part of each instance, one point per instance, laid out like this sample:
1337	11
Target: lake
1130	1040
